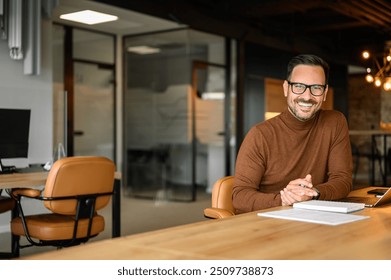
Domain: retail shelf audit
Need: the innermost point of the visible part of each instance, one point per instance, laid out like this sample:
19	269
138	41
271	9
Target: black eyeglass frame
307	86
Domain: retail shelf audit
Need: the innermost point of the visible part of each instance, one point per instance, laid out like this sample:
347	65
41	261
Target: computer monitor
14	135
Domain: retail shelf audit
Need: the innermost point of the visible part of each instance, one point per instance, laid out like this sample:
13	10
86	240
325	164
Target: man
304	153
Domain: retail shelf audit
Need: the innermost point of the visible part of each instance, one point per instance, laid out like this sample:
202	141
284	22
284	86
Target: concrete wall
29	92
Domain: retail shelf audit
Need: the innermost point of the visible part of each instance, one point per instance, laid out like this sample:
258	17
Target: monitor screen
14	133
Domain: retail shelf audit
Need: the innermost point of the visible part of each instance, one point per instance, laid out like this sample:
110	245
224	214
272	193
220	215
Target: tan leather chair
76	188
221	199
6	203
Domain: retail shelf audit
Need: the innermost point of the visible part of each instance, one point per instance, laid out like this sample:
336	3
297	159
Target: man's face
304	106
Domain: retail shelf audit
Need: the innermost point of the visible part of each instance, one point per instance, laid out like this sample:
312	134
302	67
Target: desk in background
35	179
375	134
247	236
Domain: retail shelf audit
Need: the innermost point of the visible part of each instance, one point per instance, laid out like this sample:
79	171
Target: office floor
138	215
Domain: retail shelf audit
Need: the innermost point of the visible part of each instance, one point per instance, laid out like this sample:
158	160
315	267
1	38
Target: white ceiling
129	22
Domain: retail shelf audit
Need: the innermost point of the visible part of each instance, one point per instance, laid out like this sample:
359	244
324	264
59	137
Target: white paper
313	216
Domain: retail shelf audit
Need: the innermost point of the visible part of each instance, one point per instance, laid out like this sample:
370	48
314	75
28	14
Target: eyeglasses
299	88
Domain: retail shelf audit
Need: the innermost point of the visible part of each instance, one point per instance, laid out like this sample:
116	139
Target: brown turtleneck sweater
282	149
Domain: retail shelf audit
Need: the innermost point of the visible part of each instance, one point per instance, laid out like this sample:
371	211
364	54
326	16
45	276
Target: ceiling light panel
143	50
89	17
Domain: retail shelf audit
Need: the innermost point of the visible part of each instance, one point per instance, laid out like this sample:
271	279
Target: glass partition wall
175	99
83	91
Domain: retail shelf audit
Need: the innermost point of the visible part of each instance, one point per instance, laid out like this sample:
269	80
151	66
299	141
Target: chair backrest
6	203
222	193
78	176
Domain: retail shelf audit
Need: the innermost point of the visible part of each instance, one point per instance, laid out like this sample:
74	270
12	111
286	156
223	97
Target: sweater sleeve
340	165
249	170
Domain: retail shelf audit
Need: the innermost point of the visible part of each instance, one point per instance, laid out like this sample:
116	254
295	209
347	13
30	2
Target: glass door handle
78	133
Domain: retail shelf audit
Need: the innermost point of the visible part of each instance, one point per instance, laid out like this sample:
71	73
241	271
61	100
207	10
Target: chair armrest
32	193
217	213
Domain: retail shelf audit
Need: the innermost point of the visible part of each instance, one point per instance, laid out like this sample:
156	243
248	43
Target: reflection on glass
163	157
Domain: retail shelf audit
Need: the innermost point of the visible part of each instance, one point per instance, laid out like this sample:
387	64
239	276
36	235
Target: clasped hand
298	190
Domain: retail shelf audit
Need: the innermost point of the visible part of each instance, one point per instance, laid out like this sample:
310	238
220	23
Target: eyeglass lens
299	88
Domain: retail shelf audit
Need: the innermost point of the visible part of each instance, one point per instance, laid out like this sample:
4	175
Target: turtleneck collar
294	123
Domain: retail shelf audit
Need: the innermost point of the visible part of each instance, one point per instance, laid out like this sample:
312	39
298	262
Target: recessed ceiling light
213	95
143	50
89	17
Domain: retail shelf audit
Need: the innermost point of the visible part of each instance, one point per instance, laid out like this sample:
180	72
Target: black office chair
365	150
389	160
356	161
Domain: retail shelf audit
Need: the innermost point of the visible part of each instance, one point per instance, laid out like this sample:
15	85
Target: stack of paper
331	206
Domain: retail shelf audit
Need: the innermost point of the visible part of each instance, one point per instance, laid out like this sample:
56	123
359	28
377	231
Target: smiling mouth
305	105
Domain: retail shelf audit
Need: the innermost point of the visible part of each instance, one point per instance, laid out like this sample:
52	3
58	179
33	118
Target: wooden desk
36	179
247	236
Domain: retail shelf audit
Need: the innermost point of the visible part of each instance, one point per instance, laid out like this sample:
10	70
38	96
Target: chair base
58	243
59	234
